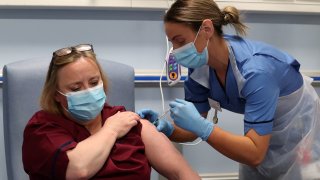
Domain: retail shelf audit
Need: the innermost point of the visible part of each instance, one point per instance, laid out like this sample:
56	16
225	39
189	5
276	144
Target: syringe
160	117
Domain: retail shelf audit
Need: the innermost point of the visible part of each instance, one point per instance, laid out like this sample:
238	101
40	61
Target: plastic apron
295	142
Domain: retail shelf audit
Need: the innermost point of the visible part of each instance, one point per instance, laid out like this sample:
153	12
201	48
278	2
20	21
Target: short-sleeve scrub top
268	74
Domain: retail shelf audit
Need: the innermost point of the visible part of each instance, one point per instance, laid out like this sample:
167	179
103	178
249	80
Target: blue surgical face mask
189	57
86	105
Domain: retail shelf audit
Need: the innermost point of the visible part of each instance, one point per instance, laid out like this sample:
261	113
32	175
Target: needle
160	117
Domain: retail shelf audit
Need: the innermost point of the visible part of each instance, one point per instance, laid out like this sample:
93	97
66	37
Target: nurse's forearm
181	135
249	149
87	158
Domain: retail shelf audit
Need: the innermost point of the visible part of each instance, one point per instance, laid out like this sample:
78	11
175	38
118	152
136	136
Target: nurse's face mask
86	105
189	57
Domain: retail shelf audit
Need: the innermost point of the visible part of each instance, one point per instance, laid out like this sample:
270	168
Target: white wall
136	38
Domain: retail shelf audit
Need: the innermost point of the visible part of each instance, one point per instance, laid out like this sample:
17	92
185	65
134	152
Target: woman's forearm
86	159
181	135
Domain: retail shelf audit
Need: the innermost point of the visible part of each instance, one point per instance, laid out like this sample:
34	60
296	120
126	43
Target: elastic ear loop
60	103
194	41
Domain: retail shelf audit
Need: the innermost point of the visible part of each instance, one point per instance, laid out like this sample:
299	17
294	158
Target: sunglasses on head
68	50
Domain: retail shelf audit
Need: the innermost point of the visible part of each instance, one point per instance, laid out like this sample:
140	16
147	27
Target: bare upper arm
261	142
163	155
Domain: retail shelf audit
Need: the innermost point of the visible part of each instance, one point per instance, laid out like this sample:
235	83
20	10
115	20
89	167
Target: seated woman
77	135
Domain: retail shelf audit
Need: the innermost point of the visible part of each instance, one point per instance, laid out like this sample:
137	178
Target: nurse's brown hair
193	12
47	100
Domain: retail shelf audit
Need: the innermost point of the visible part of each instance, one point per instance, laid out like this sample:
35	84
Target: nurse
280	107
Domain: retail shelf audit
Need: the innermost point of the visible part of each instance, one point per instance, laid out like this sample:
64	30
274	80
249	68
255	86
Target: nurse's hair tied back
193	12
231	15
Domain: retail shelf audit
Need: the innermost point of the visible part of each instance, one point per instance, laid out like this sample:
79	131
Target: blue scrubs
268	74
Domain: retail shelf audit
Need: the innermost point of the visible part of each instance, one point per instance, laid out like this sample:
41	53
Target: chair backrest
22	84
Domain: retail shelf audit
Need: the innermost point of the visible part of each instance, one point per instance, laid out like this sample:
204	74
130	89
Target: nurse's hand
186	116
162	125
148	114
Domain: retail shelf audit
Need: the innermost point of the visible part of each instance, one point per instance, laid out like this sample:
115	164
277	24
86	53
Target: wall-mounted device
173	69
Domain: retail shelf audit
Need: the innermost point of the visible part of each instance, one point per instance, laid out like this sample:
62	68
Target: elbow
82	174
78	174
254	162
253	159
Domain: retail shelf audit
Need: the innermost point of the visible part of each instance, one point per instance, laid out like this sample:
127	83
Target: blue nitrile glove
162	125
186	116
148	114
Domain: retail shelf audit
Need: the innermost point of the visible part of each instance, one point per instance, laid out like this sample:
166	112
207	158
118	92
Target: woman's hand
122	122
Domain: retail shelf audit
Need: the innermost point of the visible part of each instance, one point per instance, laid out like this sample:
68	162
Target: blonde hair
47	100
193	12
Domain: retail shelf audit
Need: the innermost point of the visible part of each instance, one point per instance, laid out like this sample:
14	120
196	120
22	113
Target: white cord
161	92
160	84
192	143
163	68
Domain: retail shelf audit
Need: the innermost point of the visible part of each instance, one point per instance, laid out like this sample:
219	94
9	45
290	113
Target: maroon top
48	137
